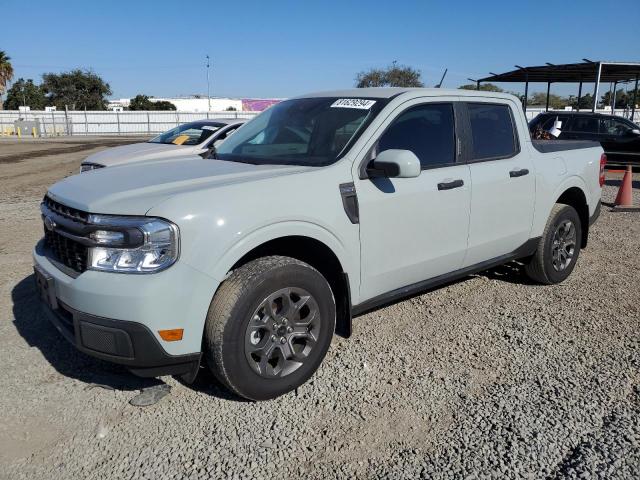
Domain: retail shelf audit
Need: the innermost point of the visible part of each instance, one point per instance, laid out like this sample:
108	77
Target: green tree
485	87
142	102
490	87
586	102
555	101
25	92
393	76
6	72
163	105
77	89
623	98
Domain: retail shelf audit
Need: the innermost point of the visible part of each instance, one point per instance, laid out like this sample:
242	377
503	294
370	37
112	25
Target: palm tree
6	72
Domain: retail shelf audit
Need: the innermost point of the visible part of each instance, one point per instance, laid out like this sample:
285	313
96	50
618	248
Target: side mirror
209	152
395	164
635	131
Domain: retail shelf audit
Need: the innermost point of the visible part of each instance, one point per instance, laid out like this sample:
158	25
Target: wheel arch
323	252
575	197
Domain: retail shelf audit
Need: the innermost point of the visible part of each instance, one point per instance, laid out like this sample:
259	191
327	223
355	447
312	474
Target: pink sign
257	104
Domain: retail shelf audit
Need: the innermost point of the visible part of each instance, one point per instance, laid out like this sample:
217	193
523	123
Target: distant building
201	104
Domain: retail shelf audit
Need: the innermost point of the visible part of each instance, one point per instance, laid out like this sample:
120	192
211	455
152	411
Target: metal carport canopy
587	71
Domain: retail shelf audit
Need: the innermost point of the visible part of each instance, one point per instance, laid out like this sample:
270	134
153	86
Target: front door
413	229
620	139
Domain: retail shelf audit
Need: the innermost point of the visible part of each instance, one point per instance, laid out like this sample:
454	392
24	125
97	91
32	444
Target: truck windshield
303	131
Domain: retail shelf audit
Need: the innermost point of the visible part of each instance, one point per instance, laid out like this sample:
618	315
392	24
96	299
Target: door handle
449	185
518	173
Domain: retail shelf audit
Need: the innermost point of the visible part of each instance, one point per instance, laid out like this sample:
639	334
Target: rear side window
549	122
427	130
585	124
492	131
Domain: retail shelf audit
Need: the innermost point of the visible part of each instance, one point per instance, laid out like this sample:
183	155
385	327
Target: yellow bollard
19	133
33	132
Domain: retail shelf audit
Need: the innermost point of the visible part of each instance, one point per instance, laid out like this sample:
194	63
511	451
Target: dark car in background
619	137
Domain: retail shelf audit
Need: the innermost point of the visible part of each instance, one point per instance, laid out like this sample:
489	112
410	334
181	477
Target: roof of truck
388	92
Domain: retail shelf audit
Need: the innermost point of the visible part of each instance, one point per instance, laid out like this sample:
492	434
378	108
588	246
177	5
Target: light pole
208	95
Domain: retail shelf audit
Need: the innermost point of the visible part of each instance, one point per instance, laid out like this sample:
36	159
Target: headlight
87	167
132	244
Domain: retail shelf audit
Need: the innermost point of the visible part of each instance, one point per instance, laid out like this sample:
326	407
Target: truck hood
138	151
135	189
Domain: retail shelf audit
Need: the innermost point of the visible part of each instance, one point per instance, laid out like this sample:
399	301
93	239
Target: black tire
544	267
236	303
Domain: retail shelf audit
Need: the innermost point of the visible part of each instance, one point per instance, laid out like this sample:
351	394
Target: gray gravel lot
489	377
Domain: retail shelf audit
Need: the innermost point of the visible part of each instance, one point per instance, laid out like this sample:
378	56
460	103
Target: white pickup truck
321	208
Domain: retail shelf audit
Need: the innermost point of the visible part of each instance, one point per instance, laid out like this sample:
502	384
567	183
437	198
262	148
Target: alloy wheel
282	332
563	245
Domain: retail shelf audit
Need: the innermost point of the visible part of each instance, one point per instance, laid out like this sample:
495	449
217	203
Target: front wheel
558	248
269	326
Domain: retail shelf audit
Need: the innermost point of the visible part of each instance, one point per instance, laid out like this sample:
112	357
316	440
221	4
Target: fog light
173	335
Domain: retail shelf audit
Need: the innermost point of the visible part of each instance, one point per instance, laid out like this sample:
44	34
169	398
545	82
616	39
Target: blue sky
284	48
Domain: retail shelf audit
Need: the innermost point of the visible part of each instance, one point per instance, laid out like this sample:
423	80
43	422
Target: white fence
143	122
106	122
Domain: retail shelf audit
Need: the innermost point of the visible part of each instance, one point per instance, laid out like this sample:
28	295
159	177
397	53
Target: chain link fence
103	122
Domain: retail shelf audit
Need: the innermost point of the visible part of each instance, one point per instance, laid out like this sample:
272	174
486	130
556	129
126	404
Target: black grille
65	250
72	213
69	252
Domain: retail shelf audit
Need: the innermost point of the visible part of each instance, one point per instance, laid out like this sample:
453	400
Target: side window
224	136
584	124
427	130
549	122
614	127
492	131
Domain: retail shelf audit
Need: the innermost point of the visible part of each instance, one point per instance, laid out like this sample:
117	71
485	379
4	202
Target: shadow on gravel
512	272
32	323
616	183
207	384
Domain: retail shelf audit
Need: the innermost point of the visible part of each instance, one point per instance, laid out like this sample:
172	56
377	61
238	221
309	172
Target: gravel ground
490	377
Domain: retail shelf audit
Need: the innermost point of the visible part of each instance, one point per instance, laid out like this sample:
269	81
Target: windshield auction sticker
360	103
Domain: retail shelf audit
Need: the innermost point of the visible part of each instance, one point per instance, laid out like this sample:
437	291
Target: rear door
503	182
413	229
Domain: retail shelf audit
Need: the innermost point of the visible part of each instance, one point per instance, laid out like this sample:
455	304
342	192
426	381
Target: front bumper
122	342
116	317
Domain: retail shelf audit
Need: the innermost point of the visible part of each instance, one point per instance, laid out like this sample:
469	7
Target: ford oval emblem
49	223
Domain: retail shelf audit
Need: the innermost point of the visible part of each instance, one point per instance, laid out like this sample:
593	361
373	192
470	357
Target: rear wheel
559	247
269	326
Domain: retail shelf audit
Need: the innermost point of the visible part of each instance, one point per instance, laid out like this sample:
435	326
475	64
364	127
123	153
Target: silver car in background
193	138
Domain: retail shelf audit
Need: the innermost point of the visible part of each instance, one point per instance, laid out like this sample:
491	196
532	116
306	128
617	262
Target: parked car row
194	138
320	208
619	137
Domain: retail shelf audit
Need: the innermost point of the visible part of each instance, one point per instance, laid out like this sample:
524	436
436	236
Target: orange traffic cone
625	194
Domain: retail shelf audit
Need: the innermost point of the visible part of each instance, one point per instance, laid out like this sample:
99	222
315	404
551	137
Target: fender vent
350	201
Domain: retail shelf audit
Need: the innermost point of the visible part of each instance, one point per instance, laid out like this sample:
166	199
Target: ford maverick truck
319	209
